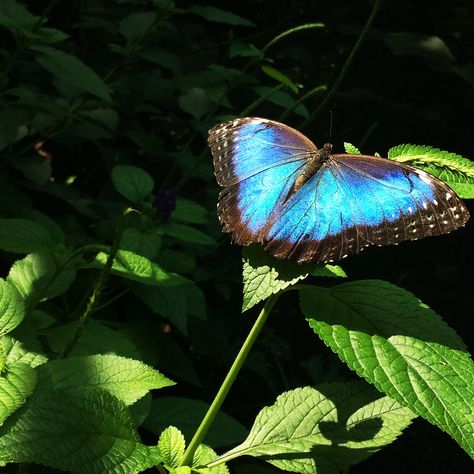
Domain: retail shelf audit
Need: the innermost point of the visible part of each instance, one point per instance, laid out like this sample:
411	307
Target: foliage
120	300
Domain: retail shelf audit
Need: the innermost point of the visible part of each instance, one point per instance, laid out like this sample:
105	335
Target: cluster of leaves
109	248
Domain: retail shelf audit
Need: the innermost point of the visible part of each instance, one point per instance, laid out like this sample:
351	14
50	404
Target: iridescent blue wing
354	201
256	161
351	202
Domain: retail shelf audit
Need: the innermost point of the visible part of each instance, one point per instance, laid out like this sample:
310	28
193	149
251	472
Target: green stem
160	469
260	100
291	31
316	90
100	284
346	66
367	134
228	381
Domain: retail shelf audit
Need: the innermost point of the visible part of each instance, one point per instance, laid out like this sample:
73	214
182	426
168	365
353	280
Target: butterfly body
306	204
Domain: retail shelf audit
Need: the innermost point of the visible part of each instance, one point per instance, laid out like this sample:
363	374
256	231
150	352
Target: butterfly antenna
330	126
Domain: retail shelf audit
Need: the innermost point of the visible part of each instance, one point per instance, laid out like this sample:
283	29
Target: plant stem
291	31
228	381
100	284
301	100
346	66
260	100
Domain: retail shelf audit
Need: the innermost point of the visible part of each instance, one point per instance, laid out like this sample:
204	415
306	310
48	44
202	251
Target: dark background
402	87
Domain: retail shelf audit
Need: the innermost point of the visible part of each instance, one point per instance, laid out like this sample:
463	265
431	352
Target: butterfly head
325	152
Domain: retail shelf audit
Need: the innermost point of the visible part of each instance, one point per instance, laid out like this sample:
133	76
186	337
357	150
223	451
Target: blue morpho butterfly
311	206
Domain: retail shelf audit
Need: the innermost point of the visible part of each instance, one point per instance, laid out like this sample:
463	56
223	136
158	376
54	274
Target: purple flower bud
165	202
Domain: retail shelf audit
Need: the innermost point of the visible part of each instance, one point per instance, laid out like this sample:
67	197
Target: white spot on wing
425	178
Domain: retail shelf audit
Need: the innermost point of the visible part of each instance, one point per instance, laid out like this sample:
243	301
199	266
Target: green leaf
186	414
189	211
264	276
126	379
41	319
35	276
55	231
12	123
282	99
195	300
131	182
135	267
323	431
457	172
401	346
239	48
172	445
164	58
280	77
351	149
71	70
173	358
203	456
23	236
174	303
12	307
136	26
46	35
105	118
89	432
196	102
15	16
146	243
219	16
26	351
253	468
95	338
176	261
181	470
329	271
431	48
35	168
17	383
186	233
140	409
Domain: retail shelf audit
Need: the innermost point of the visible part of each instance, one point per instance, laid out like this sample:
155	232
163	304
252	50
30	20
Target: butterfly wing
354	201
256	161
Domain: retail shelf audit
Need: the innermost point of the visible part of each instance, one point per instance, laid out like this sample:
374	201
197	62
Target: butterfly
308	205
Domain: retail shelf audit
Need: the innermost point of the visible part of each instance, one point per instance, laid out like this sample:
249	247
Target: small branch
277	38
228	381
316	90
100	284
345	68
260	100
